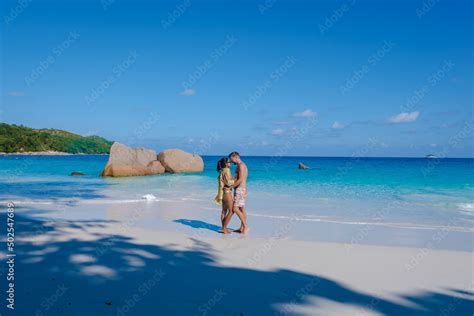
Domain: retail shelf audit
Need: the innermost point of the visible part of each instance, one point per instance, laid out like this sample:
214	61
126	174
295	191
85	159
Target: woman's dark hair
222	164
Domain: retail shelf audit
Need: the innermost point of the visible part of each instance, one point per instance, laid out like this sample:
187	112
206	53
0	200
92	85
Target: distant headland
19	139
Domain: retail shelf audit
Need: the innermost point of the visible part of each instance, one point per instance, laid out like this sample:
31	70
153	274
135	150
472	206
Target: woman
224	191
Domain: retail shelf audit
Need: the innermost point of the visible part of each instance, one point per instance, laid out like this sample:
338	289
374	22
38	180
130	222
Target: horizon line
294	156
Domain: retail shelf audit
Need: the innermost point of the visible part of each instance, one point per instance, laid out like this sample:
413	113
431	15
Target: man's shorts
240	197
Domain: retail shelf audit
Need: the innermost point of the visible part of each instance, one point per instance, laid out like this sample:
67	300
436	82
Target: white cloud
337	125
16	93
278	132
448	125
404	117
188	92
306	113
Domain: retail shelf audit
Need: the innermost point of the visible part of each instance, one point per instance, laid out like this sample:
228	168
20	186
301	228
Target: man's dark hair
234	153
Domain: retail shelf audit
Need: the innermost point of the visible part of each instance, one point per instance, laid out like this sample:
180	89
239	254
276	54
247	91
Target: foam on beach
149	197
466	208
308	218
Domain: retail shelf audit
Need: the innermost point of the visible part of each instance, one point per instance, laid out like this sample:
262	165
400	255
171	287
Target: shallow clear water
391	191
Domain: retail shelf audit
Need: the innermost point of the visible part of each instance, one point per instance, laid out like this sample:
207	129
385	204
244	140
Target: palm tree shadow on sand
112	275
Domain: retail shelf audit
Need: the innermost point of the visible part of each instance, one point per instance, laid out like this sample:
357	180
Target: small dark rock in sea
108	303
302	166
77	173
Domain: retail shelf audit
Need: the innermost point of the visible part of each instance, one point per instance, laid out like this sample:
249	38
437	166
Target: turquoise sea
405	192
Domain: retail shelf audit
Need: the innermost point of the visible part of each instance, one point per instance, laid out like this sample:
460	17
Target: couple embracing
232	203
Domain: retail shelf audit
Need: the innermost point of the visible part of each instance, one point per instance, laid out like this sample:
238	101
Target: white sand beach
149	258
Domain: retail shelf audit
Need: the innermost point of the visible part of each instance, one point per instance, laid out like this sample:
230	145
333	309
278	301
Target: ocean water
400	192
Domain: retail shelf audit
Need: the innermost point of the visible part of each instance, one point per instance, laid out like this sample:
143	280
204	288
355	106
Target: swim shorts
240	197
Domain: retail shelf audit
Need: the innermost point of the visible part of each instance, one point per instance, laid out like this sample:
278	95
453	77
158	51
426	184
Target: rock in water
302	166
77	173
177	160
125	161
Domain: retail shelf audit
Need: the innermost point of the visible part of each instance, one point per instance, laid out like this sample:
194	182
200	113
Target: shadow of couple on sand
199	224
110	274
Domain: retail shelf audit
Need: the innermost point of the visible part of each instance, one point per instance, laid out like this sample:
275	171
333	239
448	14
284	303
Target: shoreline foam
150	199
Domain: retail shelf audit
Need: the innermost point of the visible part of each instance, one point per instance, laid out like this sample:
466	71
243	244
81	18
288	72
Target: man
240	192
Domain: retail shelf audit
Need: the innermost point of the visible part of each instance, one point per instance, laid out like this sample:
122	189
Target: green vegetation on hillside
17	138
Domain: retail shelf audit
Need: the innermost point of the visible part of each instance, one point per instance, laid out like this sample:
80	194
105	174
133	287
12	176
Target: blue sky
322	78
